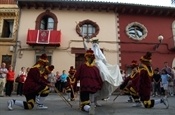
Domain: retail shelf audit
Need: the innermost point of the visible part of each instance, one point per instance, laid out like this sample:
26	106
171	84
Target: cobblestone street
58	107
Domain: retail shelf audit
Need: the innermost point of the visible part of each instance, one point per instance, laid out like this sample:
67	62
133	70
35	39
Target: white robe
110	74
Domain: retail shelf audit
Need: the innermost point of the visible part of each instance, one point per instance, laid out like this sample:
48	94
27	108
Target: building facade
125	32
9	21
57	27
147	28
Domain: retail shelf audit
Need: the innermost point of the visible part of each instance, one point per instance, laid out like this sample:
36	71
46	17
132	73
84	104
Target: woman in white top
22	77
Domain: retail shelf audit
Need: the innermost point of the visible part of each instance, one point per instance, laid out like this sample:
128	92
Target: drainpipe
16	43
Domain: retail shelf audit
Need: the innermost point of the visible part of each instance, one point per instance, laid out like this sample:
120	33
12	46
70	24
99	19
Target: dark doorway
7	59
79	59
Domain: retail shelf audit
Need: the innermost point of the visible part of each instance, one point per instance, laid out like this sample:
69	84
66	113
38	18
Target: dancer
110	74
71	84
90	82
144	84
34	85
128	86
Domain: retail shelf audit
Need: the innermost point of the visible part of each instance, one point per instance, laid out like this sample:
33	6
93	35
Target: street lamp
160	38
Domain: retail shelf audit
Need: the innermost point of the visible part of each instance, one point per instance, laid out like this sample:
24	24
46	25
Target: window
7	29
7	59
136	31
87	29
46	21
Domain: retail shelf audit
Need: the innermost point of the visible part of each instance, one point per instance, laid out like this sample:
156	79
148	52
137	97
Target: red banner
43	37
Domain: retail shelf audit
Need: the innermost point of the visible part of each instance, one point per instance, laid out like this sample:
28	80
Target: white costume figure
110	74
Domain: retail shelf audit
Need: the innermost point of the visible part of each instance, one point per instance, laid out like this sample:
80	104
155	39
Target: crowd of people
164	81
93	80
143	81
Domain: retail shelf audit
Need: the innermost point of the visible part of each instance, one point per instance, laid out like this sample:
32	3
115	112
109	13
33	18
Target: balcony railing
7	1
44	37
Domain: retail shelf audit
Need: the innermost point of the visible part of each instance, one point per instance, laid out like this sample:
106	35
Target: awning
44	37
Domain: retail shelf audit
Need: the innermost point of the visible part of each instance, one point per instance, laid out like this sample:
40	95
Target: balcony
44	37
7	1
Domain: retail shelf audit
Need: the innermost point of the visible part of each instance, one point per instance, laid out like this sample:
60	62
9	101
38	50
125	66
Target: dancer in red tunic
34	85
90	82
128	86
71	84
144	84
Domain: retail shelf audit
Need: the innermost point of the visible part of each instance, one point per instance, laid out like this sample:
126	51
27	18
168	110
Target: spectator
156	82
27	70
123	74
63	78
10	81
22	77
169	71
52	80
58	81
3	74
164	77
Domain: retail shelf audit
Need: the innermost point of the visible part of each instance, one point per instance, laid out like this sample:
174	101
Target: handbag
17	79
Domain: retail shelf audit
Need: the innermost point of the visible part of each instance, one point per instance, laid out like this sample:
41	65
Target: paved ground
58	107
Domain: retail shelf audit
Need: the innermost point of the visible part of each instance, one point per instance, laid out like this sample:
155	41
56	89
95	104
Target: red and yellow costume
144	84
36	87
128	86
35	83
141	85
71	84
90	79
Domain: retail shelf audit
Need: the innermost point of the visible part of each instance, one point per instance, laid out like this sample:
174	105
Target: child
164	78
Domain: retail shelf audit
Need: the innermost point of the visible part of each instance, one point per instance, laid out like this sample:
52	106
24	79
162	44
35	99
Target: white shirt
3	72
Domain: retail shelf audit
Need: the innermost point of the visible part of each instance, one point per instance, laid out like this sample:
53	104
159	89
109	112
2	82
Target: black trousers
20	88
9	87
